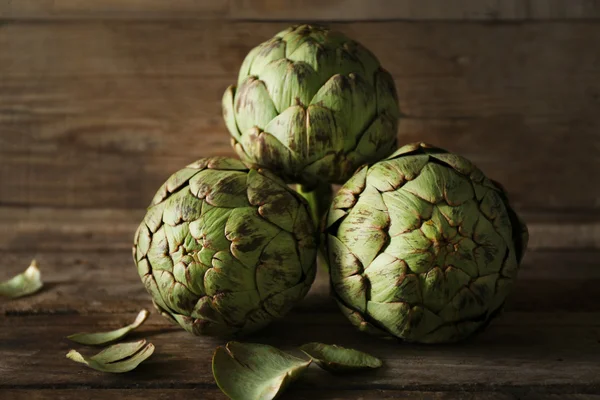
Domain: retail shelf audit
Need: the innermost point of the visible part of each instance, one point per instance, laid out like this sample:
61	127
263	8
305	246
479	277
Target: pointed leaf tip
97	338
118	358
337	359
26	283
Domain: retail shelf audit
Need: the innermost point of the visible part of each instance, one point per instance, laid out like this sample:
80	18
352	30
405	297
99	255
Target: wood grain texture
533	350
294	394
106	281
34	229
335	10
470	10
101	125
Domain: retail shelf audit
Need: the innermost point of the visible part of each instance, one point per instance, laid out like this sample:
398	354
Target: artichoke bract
312	105
422	246
225	248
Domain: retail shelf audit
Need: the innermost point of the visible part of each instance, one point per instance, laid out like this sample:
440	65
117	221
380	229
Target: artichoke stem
319	198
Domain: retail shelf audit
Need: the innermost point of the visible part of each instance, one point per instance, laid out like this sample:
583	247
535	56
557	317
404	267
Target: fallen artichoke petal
111	336
336	358
23	284
119	358
247	371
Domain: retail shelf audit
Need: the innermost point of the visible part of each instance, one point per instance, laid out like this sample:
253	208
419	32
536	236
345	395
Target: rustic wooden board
532	349
295	394
106	281
29	230
103	124
339	10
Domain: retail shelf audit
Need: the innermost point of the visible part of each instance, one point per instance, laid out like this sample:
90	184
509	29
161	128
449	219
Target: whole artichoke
225	248
312	105
422	246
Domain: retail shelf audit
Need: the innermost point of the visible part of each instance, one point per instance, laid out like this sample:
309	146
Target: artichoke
422	246
312	105
225	248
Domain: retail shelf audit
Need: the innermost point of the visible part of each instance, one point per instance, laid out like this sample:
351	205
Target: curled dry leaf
335	358
246	371
23	284
119	358
106	337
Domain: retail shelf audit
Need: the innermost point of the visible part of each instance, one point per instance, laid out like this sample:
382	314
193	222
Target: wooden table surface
100	102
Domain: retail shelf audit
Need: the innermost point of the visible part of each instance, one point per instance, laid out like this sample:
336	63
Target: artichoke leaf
111	336
334	358
248	371
253	106
119	358
24	284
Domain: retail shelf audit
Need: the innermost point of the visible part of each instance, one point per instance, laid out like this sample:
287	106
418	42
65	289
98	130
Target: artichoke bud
225	248
313	105
422	246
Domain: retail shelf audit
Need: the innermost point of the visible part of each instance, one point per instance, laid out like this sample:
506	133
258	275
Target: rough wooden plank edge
313	10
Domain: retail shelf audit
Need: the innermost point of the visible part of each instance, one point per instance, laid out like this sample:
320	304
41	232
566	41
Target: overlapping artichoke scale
279	266
358	320
252	105
262	148
270	51
229	114
224	189
289	83
347	196
387	98
352	102
373	144
281	303
364	243
403	320
248	234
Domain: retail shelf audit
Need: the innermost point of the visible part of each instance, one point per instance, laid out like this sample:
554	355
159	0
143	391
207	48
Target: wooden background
101	101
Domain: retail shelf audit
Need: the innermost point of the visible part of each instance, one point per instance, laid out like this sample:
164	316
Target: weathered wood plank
101	125
294	393
473	10
559	358
338	10
112	9
30	230
107	282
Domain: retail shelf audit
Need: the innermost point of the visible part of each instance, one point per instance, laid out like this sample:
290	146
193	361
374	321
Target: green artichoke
225	248
312	105
422	246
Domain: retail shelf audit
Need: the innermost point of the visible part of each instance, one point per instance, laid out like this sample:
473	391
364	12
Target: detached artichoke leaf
111	336
334	358
116	359
247	371
23	284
